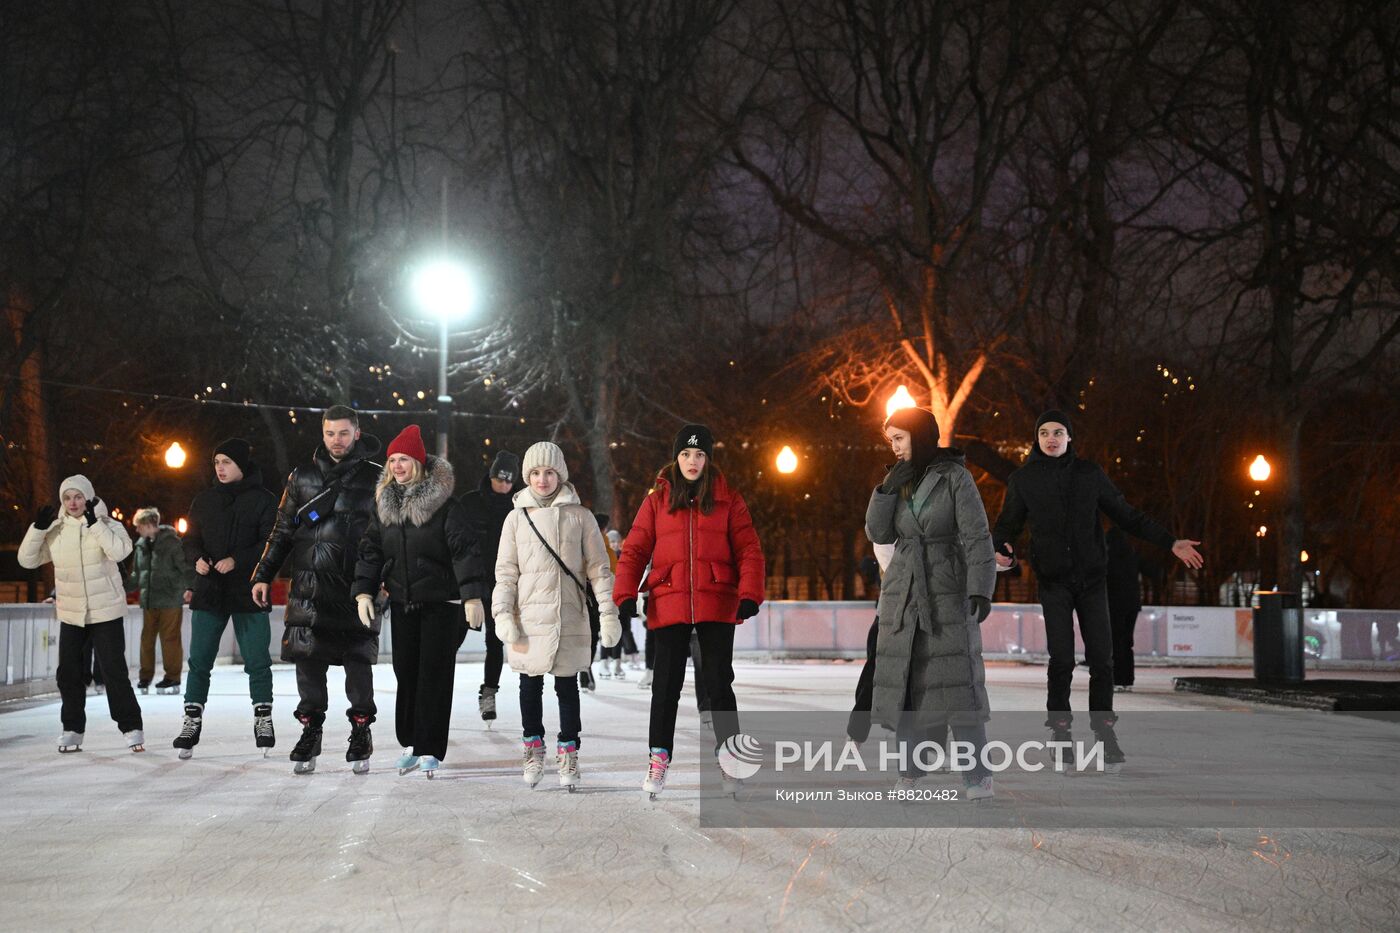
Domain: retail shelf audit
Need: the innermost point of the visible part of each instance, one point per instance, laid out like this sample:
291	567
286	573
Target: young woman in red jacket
706	576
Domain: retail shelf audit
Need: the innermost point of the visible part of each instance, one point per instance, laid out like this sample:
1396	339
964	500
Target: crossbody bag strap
555	554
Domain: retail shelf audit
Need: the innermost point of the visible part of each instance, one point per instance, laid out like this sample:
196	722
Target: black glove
899	476
627	611
45	516
981	607
91	512
747	609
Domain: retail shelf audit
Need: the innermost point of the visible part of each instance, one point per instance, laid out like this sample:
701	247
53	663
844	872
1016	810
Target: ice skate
618	673
1123	688
657	765
604	669
486	700
166	686
189	730
904	785
707	718
645	682
263	735
429	766
361	745
533	763
70	742
407	762
135	740
1113	756
728	783
980	789
308	746
1062	758
567	760
144	686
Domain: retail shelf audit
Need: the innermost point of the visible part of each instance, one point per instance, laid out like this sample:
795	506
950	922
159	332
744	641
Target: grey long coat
929	645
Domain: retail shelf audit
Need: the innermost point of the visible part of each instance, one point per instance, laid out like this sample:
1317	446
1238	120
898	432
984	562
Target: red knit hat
409	443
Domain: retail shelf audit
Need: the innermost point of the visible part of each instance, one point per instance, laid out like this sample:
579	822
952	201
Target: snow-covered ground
106	839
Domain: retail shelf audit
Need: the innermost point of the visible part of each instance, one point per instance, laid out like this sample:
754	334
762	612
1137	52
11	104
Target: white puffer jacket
87	581
532	590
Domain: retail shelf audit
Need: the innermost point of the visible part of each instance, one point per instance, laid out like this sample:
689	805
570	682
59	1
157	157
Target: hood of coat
417	502
567	495
367	446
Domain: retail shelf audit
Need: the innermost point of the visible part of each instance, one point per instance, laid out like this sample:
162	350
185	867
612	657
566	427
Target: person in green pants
228	524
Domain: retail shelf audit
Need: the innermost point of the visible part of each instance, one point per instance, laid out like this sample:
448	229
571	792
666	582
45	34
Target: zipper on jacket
690	533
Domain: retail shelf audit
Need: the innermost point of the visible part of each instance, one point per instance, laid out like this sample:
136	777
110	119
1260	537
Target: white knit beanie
79	482
544	454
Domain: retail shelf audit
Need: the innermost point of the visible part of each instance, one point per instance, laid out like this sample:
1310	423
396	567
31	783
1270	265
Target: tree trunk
1293	518
600	433
30	410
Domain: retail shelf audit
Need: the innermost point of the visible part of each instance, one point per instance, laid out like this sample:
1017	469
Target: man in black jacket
324	511
1061	497
487	507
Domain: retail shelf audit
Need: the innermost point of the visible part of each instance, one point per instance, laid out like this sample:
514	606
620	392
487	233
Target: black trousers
426	639
1124	620
1061	602
532	706
702	693
716	672
495	651
858	725
107	641
311	684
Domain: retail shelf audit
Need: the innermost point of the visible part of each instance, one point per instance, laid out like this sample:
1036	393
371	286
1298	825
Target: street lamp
1260	469
444	291
175	456
900	399
787	460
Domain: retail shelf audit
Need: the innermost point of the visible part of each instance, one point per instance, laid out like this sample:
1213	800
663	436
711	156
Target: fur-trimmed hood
416	503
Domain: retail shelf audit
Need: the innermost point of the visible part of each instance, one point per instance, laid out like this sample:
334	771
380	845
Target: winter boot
263	735
309	745
533	761
657	765
486	699
189	730
567	760
361	745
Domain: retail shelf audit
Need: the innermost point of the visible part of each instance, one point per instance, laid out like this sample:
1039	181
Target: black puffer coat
323	552
229	520
419	544
1062	497
486	512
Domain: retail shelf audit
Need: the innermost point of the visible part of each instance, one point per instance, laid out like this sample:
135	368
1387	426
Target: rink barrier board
793	629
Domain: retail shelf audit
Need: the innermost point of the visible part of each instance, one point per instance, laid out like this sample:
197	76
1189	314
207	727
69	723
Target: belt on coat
916	547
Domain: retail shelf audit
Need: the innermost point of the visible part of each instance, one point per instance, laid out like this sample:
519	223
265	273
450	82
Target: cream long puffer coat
535	593
87	581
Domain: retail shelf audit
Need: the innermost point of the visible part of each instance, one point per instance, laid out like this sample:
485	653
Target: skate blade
304	767
186	754
360	767
69	749
652	794
136	748
572	788
429	774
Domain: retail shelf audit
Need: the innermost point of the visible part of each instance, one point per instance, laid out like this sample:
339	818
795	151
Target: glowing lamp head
900	399
1260	469
175	456
182	526
444	290
787	460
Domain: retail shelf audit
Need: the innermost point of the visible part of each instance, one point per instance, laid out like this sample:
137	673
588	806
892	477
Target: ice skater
162	580
706	576
228	523
551	553
420	546
324	511
487	507
85	544
1061	495
934	597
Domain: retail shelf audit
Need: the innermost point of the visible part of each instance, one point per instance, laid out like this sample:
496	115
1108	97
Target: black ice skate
309	745
361	743
1062	755
168	686
144	686
189	731
1113	756
263	734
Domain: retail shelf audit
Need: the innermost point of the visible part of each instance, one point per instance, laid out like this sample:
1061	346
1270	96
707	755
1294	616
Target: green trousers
253	631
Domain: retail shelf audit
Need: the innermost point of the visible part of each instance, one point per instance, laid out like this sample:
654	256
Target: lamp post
1259	471
175	456
444	291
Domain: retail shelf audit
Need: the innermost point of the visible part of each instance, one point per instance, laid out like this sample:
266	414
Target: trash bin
1278	638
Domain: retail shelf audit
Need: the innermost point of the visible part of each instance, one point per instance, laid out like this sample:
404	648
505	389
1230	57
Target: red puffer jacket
701	565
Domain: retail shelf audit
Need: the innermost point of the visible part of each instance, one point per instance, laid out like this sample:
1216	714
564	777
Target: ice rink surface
108	840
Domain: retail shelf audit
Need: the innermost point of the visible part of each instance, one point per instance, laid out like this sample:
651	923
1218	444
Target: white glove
508	630
366	609
609	629
475	613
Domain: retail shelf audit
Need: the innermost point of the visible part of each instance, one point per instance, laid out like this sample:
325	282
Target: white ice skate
645	682
618	672
729	784
429	766
657	765
981	789
407	762
567	759
604	669
533	763
70	742
135	740
304	767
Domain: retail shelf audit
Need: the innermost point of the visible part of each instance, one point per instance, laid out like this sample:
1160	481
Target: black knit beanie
1056	416
238	450
694	435
506	467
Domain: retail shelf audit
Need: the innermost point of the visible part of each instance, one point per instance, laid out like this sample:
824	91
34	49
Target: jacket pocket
724	574
658	577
